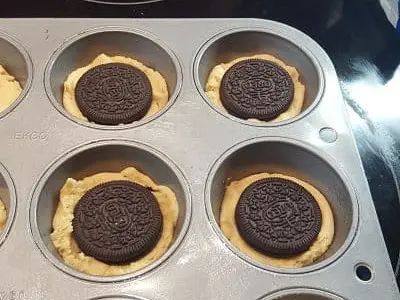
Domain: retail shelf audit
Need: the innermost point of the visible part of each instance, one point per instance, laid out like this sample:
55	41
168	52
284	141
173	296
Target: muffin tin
192	147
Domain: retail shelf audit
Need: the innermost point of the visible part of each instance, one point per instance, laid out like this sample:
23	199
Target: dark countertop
362	44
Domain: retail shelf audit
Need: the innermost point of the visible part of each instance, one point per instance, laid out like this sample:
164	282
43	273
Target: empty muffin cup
302	294
118	298
225	50
296	160
15	72
112	157
131	71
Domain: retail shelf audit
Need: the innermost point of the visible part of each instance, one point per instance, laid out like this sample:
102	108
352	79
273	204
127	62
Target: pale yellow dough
228	225
215	77
10	89
72	192
3	215
158	84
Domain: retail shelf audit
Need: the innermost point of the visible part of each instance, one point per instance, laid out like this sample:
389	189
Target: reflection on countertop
373	110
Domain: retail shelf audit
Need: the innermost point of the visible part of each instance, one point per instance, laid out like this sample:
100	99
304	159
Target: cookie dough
72	192
215	77
10	89
3	215
228	225
158	84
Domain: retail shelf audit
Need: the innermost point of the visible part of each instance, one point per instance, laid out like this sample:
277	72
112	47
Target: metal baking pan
190	146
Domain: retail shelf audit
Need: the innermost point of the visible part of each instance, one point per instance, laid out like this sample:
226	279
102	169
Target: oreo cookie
117	222
256	89
112	94
278	217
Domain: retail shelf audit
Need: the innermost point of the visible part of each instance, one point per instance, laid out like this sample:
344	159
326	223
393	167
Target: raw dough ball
228	225
10	89
3	215
72	192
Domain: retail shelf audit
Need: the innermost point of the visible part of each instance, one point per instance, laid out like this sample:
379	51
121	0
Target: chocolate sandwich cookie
117	222
256	89
113	94
278	217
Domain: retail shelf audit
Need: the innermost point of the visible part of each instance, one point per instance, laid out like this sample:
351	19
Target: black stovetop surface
362	44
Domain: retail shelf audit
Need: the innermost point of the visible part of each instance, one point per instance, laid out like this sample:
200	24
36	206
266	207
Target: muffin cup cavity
82	49
9	198
292	158
302	294
118	298
240	42
17	62
104	156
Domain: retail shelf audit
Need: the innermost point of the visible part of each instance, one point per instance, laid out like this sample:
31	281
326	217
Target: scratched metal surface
192	147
